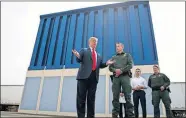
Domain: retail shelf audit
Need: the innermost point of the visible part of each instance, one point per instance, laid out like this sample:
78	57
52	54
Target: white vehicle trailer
11	97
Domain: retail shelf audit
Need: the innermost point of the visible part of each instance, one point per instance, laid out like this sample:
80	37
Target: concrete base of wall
42	75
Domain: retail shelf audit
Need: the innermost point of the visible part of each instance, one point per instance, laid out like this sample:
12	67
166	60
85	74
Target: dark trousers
139	95
121	111
86	90
157	95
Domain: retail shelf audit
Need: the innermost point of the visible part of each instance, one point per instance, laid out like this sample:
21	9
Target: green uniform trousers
164	95
124	82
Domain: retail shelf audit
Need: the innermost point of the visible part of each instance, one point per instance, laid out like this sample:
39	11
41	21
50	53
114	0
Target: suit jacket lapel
90	53
97	60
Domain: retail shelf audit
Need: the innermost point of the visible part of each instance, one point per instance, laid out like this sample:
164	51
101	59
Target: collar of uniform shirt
156	74
120	53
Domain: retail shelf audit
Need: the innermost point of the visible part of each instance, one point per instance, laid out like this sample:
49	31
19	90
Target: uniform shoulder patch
128	54
152	76
114	56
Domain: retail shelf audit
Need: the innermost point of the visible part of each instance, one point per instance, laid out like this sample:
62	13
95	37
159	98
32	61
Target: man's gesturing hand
109	62
76	53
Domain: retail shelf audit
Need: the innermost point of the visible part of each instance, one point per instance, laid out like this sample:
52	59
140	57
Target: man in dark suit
88	77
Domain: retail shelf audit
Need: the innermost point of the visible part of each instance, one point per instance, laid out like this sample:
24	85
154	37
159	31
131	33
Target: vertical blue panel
146	34
41	26
128	30
110	42
30	93
138	31
115	27
121	29
49	96
152	34
85	31
134	34
52	43
78	37
99	30
127	44
100	95
90	26
69	91
105	34
60	41
65	44
44	40
48	43
70	41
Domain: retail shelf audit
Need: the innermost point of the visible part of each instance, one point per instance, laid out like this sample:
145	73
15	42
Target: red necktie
93	59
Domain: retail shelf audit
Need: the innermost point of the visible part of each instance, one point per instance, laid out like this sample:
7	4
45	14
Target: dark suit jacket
85	61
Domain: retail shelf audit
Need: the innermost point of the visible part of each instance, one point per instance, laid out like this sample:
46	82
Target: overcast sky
20	21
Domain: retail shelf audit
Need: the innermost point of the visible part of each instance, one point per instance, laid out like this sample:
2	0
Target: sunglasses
138	71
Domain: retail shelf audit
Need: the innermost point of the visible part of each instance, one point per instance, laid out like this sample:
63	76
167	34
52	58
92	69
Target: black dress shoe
114	116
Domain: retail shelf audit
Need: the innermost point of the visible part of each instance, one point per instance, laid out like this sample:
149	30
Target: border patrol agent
159	83
121	67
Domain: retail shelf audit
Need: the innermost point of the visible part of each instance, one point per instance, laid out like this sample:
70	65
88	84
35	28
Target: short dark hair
120	43
156	66
138	69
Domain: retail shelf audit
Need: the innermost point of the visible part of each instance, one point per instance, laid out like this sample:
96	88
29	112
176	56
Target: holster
129	73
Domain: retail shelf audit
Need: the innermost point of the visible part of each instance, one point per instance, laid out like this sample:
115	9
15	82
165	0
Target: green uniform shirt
123	61
156	81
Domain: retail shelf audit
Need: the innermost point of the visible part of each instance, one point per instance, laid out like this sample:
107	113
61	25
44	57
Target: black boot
114	116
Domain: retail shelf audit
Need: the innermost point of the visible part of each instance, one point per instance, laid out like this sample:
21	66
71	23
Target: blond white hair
93	38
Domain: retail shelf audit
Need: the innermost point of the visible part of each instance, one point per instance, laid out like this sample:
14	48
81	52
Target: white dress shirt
96	54
138	81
